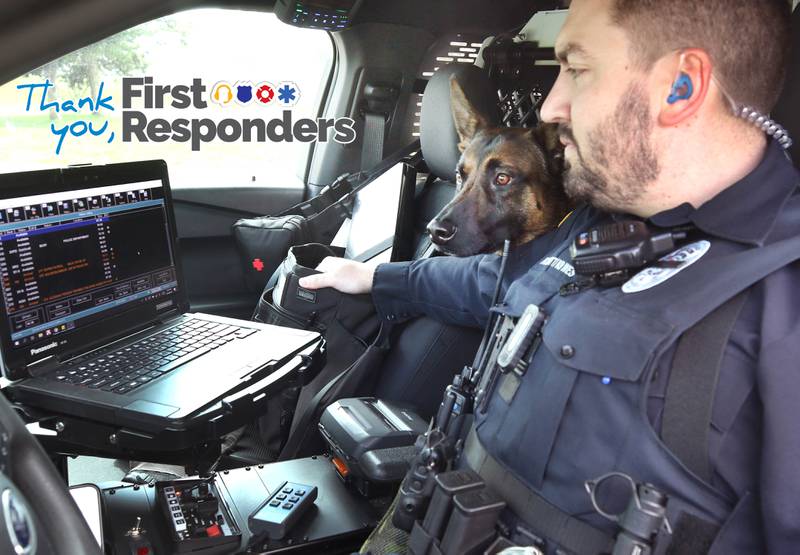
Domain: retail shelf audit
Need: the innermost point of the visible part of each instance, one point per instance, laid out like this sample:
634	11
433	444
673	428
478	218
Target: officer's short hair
748	40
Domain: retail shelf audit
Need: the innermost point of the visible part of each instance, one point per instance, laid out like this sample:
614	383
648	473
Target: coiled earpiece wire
761	121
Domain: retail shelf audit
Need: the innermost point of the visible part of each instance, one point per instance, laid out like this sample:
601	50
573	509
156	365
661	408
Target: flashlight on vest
641	522
608	253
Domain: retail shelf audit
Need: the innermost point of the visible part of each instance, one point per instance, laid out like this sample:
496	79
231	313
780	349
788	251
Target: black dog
509	184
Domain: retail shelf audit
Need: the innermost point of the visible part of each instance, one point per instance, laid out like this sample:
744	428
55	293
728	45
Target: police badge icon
244	92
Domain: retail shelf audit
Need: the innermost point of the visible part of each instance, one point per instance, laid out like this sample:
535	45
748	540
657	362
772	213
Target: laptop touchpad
149	407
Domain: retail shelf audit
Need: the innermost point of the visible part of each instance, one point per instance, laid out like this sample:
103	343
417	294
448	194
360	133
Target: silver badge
674	264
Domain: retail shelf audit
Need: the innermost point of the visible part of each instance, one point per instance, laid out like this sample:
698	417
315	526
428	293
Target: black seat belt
379	103
692	384
372	141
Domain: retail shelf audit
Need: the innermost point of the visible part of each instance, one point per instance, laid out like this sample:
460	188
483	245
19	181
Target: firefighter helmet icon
265	92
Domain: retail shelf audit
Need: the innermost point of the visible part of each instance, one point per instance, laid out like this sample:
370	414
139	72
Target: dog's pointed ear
467	119
546	135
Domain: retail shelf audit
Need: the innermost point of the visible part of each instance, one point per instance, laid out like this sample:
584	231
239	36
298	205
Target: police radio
607	254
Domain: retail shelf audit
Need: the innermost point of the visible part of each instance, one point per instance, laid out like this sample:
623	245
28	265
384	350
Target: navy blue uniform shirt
755	429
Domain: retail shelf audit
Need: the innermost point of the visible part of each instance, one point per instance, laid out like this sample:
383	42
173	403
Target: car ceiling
445	16
33	32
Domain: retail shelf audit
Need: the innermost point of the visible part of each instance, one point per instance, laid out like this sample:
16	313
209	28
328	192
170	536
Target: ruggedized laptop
94	317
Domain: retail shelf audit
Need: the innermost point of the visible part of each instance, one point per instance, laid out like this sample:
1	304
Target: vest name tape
560	265
678	261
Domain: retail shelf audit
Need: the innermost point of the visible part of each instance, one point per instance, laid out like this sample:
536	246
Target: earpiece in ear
682	89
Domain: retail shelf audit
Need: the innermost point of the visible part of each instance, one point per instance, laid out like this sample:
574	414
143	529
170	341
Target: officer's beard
618	166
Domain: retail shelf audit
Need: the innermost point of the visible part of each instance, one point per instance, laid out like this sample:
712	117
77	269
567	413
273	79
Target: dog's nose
442	231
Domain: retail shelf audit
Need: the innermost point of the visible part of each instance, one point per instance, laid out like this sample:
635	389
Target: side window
206	90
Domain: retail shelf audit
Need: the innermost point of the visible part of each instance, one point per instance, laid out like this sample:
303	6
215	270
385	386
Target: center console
214	515
322	504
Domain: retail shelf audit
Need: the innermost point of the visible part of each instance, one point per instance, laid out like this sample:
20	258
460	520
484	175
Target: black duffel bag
352	331
264	242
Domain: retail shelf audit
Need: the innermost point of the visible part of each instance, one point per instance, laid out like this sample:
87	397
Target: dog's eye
502	179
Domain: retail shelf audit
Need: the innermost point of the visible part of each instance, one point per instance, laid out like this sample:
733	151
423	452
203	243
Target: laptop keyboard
128	368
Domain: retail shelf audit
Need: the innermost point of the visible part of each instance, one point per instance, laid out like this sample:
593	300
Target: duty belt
543	518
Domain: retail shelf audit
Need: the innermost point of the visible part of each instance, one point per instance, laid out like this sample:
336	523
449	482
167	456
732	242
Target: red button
213	531
143	551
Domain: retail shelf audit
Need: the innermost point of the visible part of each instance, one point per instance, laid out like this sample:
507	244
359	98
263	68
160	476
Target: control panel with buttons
196	515
328	15
282	510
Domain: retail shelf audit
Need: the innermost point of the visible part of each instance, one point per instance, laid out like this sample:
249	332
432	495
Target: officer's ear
469	122
684	86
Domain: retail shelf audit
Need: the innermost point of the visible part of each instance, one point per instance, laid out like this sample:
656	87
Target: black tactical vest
579	411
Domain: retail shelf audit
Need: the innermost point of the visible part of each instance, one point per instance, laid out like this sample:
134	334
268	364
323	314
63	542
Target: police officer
653	102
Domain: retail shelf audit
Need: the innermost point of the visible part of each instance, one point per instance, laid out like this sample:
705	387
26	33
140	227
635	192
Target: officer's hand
343	275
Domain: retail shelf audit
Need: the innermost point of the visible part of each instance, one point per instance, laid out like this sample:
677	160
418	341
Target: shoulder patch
672	264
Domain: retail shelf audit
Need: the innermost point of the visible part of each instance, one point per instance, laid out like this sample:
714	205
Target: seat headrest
437	130
787	111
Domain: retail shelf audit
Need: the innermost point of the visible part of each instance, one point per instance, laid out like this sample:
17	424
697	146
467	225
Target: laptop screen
75	258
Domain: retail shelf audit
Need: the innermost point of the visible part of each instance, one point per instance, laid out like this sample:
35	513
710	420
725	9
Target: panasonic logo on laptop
44	348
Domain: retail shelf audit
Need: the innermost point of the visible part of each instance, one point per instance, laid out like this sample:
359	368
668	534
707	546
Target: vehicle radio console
196	515
329	15
231	512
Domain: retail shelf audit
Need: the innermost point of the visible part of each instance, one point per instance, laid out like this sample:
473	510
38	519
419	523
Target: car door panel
211	264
